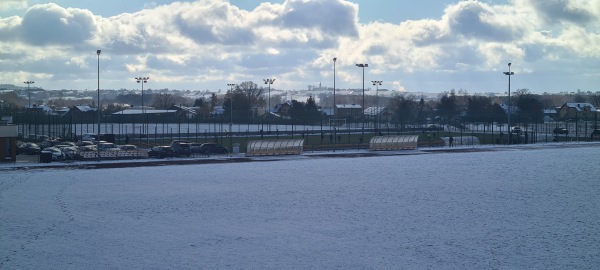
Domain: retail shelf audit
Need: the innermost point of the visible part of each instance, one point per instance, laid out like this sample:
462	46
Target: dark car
595	135
29	148
516	130
561	131
161	152
211	148
181	148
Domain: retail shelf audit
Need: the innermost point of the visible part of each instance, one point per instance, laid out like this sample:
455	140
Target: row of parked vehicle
61	150
186	148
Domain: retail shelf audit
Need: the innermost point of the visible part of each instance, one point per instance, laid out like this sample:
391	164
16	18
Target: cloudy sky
426	45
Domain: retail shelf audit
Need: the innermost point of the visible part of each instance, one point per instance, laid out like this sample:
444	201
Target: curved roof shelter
396	142
275	147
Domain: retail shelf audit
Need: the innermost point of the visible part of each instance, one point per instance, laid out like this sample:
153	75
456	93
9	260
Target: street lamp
363	66
231	116
377	84
509	73
334	106
98	109
143	80
269	82
29	107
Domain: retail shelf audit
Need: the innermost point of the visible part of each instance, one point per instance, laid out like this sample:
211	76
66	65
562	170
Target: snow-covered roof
348	106
147	111
85	108
374	110
579	106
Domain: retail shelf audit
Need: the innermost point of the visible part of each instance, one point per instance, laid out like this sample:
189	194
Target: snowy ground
531	208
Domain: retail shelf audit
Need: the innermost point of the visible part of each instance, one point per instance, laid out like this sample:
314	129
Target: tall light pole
98	109
143	80
363	66
377	84
29	107
334	106
29	91
509	73
232	85
269	82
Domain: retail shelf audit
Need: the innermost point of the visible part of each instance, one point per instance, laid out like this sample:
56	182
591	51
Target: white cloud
208	41
13	4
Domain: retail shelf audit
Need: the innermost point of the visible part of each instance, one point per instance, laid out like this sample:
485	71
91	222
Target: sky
415	46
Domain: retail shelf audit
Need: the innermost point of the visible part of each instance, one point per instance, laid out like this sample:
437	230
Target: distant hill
14	87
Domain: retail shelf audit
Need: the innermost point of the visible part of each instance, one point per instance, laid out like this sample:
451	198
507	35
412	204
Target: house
551	115
8	142
82	114
283	109
188	112
137	114
349	111
378	113
578	111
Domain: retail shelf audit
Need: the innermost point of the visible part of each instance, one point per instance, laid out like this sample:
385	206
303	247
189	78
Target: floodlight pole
143	80
377	84
269	82
29	107
98	109
232	85
363	66
509	73
334	107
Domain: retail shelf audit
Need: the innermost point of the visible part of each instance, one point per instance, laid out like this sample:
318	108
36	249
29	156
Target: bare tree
163	101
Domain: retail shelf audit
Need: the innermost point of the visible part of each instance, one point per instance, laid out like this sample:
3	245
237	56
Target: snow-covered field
515	209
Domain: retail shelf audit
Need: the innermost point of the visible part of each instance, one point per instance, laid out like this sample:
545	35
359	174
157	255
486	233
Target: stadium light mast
269	82
334	107
98	109
377	84
509	74
29	107
143	80
363	66
232	85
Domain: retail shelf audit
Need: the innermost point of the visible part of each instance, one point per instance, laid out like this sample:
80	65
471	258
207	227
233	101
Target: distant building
8	142
579	111
283	109
188	112
349	111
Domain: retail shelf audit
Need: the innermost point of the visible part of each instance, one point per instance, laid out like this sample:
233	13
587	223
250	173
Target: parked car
195	147
57	154
84	143
87	148
595	135
70	152
516	130
89	137
106	146
29	148
212	148
181	148
128	147
559	130
161	152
